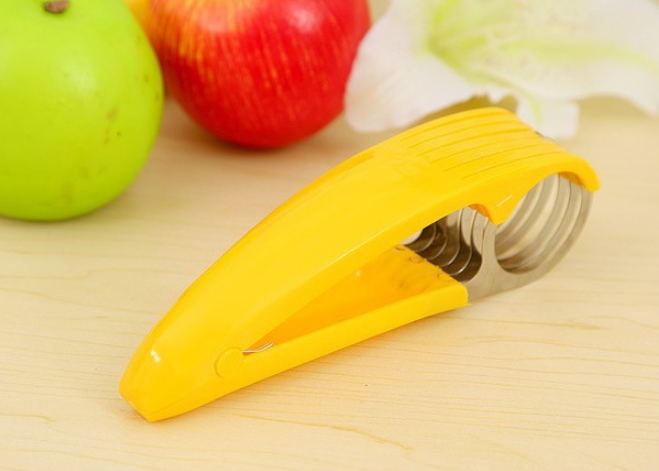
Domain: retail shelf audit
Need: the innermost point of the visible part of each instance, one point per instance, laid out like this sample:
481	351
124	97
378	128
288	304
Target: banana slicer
484	202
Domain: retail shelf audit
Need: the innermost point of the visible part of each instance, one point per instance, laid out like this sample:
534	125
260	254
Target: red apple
260	73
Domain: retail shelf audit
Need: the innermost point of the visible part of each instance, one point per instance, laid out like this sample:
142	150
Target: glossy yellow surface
325	270
560	374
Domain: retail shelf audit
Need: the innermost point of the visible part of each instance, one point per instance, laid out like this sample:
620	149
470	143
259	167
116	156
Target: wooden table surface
560	375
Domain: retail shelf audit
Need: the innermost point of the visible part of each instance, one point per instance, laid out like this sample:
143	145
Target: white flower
426	55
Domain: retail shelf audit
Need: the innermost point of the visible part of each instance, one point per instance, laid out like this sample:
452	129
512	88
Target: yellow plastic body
325	269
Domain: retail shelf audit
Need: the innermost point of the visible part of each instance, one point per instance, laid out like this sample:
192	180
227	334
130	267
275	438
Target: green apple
81	99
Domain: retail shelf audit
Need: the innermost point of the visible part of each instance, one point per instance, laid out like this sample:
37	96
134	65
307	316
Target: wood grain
562	374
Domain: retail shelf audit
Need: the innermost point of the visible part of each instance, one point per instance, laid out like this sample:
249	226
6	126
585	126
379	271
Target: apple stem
56	6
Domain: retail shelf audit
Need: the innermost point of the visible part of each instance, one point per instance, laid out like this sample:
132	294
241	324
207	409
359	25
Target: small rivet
229	363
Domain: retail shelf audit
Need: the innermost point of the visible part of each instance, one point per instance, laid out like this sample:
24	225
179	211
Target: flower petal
552	118
395	79
426	55
568	50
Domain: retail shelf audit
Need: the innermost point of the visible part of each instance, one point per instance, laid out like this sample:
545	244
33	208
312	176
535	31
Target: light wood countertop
560	375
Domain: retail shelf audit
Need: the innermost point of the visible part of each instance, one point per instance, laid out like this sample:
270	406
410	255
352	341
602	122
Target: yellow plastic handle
395	289
324	271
